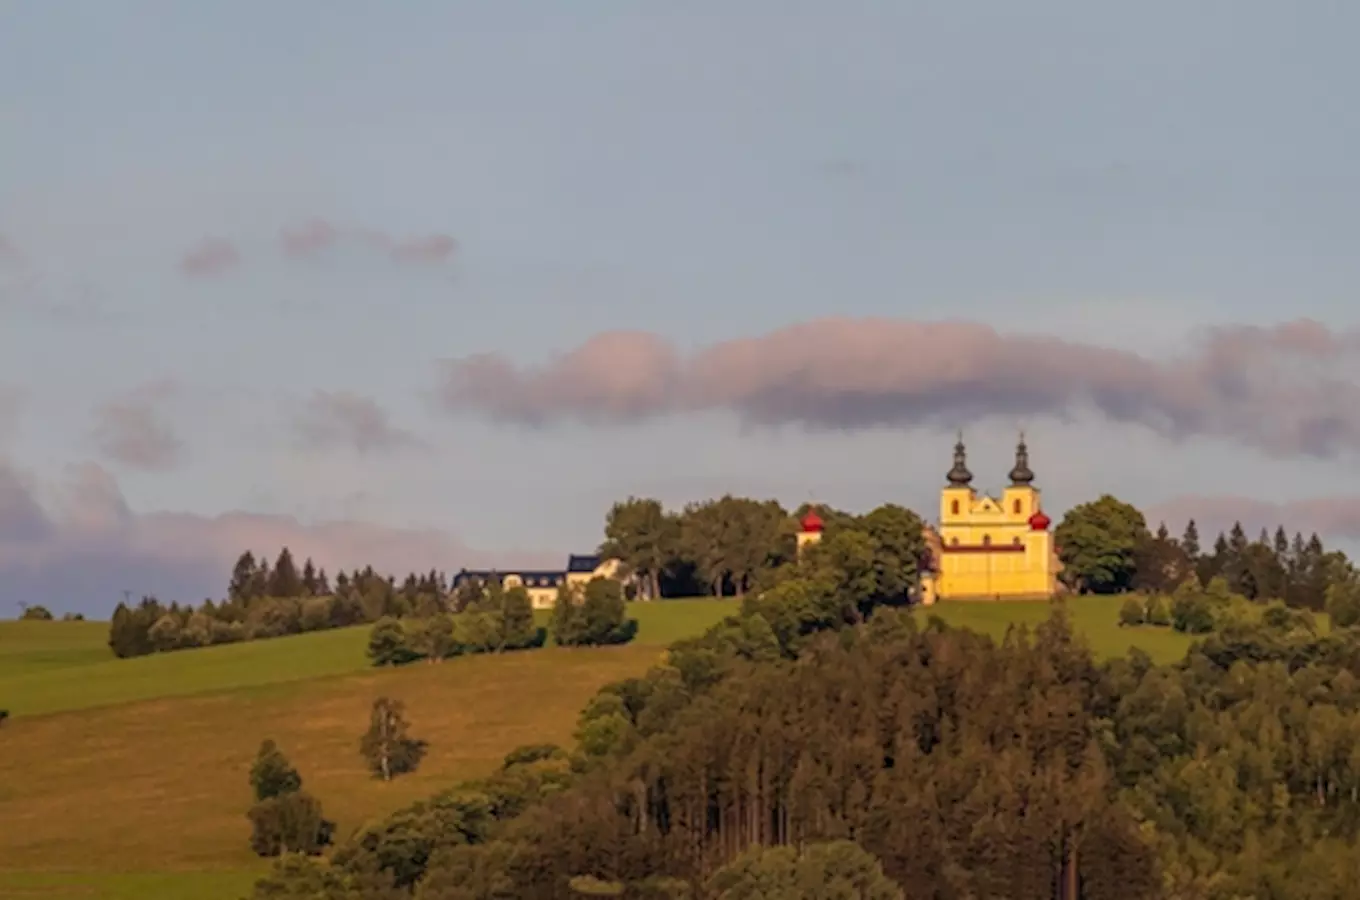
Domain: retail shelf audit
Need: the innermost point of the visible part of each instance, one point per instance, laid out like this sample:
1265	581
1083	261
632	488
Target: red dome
811	521
1039	521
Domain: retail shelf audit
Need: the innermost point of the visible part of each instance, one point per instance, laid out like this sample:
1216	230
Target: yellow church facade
990	548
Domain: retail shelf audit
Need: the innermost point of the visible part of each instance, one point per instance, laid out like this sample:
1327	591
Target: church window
986	540
954	507
1017	507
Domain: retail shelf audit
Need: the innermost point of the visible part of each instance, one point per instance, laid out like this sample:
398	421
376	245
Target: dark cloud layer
80	550
130	429
340	418
1289	389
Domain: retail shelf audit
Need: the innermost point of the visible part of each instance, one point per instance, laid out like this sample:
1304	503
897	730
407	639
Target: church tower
956	500
1021	499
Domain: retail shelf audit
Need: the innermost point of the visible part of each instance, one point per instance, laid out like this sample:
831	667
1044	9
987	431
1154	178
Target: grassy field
48	667
126	778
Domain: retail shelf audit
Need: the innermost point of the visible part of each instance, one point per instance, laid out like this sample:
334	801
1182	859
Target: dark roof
582	563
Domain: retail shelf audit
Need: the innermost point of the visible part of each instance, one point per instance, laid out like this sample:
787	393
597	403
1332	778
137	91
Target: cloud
331	418
81	551
11	407
10	255
1288	390
1331	517
130	430
212	256
316	236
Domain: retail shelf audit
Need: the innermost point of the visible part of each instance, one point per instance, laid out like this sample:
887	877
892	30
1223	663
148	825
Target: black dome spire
1021	474
959	476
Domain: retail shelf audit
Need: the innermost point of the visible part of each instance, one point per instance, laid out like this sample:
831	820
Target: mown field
127	778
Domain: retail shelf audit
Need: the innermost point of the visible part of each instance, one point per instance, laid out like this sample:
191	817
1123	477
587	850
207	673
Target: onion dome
1039	521
811	522
1021	474
959	476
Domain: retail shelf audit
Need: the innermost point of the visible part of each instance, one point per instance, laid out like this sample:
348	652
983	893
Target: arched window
953	542
954	507
986	540
1017	507
1016	541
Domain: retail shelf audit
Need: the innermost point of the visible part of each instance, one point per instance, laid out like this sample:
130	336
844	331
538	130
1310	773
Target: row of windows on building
986	541
1016	507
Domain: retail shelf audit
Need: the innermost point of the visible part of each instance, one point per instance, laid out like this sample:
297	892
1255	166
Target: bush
1158	611
599	618
1132	613
289	823
1192	613
389	645
38	613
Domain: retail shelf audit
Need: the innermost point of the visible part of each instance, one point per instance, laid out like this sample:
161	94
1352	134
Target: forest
826	742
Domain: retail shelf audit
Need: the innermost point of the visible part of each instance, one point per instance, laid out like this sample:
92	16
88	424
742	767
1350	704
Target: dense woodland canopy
823	735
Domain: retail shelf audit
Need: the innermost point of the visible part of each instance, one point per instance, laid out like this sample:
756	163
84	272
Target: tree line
499	619
267	601
734	545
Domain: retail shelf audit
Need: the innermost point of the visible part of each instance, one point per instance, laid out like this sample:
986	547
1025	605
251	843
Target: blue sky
1113	177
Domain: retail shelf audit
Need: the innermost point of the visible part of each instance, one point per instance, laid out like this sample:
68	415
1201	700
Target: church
984	548
989	548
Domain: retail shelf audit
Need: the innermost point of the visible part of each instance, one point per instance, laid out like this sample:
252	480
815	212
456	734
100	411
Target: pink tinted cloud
342	418
130	429
1288	389
212	256
317	236
80	551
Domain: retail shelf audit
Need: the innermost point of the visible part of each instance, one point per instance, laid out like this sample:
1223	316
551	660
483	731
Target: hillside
163	742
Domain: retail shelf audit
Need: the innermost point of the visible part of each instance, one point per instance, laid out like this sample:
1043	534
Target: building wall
987	548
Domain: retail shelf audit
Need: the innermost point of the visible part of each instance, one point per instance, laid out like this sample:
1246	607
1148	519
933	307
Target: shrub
1133	612
1158	611
389	645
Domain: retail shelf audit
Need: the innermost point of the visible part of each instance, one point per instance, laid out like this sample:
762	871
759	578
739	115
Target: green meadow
127	778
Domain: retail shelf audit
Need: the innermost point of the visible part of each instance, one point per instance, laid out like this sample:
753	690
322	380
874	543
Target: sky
432	284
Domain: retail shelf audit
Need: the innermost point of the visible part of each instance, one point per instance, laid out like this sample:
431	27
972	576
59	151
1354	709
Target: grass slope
48	667
1095	618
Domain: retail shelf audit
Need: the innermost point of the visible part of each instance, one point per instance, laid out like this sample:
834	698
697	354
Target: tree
1099	542
36	613
243	578
644	537
1190	541
284	819
389	645
289	823
285	581
387	745
836	870
599	616
272	775
899	544
517	620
